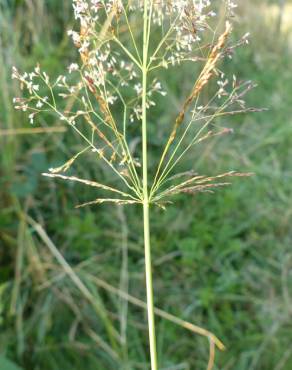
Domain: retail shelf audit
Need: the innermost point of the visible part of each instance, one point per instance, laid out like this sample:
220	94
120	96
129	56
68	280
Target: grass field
221	261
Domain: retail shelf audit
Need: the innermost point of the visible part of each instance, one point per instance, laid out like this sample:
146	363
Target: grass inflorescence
97	109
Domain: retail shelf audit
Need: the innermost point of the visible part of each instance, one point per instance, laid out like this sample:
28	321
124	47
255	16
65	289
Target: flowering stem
147	247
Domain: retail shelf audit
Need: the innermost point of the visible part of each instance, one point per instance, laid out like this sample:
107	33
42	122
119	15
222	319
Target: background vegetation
222	261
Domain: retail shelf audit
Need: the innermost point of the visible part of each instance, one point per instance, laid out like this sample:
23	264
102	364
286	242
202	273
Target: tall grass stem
147	246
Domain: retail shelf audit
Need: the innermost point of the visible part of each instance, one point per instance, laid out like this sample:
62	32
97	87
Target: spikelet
86	182
108	200
200	183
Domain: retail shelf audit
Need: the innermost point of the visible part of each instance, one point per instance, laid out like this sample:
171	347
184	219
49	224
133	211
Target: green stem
147	246
149	288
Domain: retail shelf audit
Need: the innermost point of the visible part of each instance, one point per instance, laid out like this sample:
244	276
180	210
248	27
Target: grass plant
93	105
237	280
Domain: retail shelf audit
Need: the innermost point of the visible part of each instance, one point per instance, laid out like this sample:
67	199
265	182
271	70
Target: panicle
107	80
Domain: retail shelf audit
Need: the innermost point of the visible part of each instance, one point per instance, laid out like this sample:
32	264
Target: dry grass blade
165	315
112	333
211	356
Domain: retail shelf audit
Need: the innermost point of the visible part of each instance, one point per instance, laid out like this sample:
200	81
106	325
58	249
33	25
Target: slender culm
147	246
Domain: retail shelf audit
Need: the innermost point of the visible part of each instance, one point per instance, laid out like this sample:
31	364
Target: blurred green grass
223	261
